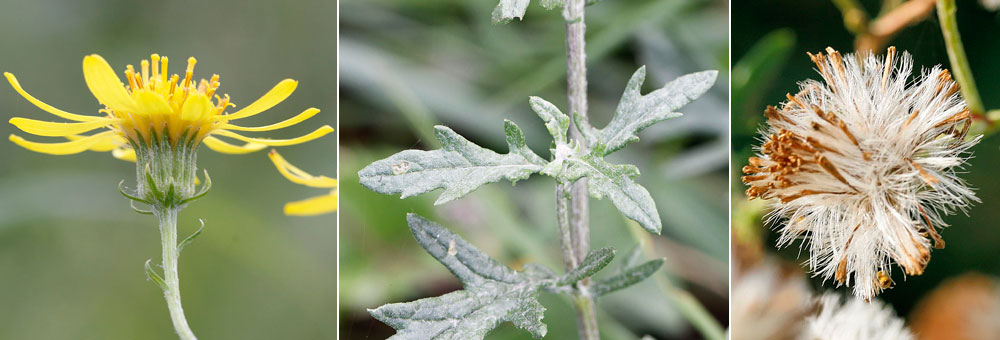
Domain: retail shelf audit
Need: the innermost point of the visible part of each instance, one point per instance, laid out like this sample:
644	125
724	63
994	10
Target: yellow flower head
154	107
310	206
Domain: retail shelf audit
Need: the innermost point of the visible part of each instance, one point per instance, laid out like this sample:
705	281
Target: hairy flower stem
165	173
579	214
171	288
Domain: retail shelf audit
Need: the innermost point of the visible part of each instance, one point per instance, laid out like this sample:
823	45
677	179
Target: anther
145	71
156	64
130	74
163	69
189	72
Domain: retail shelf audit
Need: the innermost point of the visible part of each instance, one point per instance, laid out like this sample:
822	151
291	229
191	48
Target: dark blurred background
408	65
71	250
770	41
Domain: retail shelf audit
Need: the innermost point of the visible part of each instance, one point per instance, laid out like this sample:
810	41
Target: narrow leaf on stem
594	262
153	276
627	278
186	241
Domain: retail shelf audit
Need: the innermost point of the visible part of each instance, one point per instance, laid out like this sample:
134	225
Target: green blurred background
770	41
71	250
408	65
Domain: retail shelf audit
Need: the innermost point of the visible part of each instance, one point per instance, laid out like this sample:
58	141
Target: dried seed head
863	165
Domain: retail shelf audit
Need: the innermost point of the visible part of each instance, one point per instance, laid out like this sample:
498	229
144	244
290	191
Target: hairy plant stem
165	173
579	212
172	292
562	218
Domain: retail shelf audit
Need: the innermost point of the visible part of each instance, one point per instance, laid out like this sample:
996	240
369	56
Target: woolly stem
579	213
562	218
171	287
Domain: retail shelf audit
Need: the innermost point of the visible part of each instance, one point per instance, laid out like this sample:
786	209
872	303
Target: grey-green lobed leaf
473	267
459	167
510	9
555	121
627	278
636	111
493	293
558	125
507	10
616	182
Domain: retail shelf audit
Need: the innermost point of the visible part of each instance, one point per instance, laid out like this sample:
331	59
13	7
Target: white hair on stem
855	319
863	165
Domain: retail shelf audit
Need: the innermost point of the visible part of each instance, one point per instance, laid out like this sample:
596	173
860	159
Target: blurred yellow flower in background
310	206
155	107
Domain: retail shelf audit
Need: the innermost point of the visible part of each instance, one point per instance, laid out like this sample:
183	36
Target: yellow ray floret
149	106
219	146
125	154
46	107
289	122
268	100
311	206
63	148
105	84
104	144
322	131
52	129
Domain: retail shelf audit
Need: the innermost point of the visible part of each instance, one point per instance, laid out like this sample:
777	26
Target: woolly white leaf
555	121
636	111
493	293
615	182
459	167
509	9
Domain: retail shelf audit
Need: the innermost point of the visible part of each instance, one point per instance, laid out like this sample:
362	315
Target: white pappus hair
863	165
855	319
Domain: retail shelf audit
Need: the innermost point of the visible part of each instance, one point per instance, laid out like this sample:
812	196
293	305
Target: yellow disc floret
168	106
